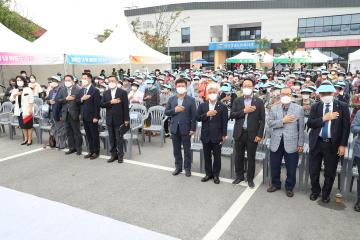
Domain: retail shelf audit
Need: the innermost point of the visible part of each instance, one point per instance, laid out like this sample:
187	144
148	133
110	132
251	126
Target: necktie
85	91
325	128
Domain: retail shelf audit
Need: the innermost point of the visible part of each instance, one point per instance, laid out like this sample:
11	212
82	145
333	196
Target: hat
264	77
306	90
225	88
135	84
168	86
313	88
279	86
324	72
187	78
196	78
292	76
326	88
340	84
55	77
150	81
281	78
100	77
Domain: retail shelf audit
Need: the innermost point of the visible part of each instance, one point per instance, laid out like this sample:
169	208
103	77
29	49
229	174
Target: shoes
112	159
24	143
167	135
357	206
216	180
238	180
78	153
251	184
325	199
314	196
206	178
176	172
70	152
29	143
88	155
94	156
187	173
272	189
121	160
289	193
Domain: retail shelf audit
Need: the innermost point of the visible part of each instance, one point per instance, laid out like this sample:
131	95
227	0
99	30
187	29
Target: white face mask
306	96
327	99
32	80
181	90
20	83
247	91
341	93
119	85
84	83
112	85
68	84
213	96
285	100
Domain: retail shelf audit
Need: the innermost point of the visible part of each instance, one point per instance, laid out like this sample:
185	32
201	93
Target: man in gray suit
182	110
70	112
286	123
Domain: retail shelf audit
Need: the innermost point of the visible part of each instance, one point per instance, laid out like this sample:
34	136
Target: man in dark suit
182	110
89	98
329	122
70	114
214	117
249	114
116	102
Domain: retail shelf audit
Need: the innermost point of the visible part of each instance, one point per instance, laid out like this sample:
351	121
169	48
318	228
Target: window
185	35
236	34
180	59
348	24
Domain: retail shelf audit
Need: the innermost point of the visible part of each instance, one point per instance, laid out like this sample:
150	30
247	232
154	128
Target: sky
88	16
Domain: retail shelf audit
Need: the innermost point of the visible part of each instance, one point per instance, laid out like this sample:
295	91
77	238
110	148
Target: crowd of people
317	106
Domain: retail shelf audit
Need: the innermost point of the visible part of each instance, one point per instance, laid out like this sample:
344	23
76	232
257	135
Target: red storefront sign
333	43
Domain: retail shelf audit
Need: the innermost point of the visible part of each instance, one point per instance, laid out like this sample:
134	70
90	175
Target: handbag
27	118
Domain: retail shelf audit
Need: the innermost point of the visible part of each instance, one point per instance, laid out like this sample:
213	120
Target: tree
263	44
15	22
290	45
102	37
166	23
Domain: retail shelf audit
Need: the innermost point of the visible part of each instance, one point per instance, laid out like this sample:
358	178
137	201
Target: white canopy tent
251	57
315	56
354	61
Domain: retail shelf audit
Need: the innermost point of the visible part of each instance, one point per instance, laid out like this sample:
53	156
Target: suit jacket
340	127
212	128
355	129
186	120
116	114
90	108
255	120
69	107
55	108
292	133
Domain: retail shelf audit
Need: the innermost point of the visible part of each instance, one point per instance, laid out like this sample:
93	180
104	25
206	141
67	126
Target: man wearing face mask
249	114
71	114
58	128
116	102
286	122
89	99
182	110
329	122
340	92
214	117
306	101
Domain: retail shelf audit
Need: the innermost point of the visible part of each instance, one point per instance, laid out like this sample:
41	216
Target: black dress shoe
112	159
120	160
206	178
289	193
216	180
88	155
29	143
314	196
238	180
251	184
272	189
94	156
325	199
70	152
357	206
78	153
187	173
24	143
176	172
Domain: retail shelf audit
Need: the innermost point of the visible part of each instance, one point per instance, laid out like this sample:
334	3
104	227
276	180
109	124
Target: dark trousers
291	163
245	143
166	125
184	140
357	161
326	151
116	141
212	168
73	133
92	136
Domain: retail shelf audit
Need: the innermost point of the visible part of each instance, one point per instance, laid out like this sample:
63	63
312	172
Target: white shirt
113	92
87	89
247	103
329	125
212	106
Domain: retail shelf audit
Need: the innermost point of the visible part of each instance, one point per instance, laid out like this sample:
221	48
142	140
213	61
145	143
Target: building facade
215	31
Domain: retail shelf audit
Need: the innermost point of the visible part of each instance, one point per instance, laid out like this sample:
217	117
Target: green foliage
290	45
107	32
15	22
263	44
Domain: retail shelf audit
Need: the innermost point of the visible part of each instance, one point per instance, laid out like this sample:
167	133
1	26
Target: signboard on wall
235	45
